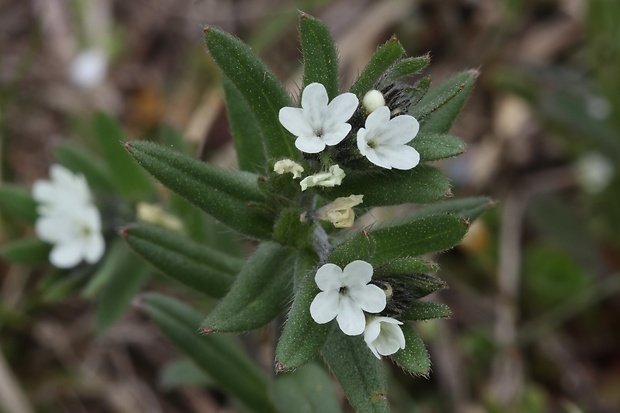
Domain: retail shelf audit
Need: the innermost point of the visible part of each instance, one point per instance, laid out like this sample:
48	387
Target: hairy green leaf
359	247
467	208
426	310
433	147
413	358
225	194
384	57
408	67
405	265
320	57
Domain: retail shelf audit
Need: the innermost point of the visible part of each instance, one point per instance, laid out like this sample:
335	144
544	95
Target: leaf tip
128	146
394	39
279	367
206	29
124	231
448	193
302	15
206	330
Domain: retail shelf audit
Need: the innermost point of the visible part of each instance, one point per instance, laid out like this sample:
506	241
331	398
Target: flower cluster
68	218
346	295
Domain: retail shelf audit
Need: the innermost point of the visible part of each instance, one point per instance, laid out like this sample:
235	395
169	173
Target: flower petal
314	103
294	120
378	120
369	298
94	248
324	308
402	157
66	255
401	130
357	273
310	144
350	317
329	277
335	134
341	108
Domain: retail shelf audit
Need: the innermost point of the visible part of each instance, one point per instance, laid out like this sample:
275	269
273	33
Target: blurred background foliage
534	286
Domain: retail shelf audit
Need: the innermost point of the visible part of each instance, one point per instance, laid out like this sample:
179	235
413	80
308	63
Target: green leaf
433	147
467	208
183	373
320	57
359	247
246	132
440	107
131	181
17	202
406	265
408	67
384	57
359	372
116	252
27	252
413	358
428	234
263	93
426	310
259	293
418	285
422	184
194	265
419	90
217	355
129	276
302	337
307	390
81	161
290	230
225	194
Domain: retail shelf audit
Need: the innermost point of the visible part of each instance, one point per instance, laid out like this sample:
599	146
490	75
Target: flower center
343	290
85	230
371	144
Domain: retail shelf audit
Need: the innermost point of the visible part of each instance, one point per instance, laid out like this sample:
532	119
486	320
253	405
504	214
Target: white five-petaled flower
345	295
384	141
68	219
331	178
317	123
384	336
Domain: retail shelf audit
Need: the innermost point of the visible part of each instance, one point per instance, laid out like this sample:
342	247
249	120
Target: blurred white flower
331	178
345	295
594	172
68	219
384	336
288	166
384	140
88	68
317	124
340	211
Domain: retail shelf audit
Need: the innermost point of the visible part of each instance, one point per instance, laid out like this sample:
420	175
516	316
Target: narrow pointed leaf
246	132
440	107
129	276
406	265
302	337
426	310
413	358
225	194
17	202
428	234
259	293
182	373
82	162
385	56
320	57
433	147
422	184
196	266
359	372
128	177
263	93
467	208
419	285
408	67
26	252
307	390
359	247
217	355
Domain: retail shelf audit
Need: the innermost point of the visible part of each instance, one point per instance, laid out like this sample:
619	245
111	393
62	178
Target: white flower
89	68
345	295
68	219
594	172
331	178
340	211
288	166
384	336
64	190
384	140
317	124
373	100
75	233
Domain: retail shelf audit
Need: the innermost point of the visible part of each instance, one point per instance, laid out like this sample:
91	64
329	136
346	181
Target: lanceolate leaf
225	194
406	265
383	58
28	252
259	293
216	354
263	93
128	177
422	184
426	310
408	67
18	203
467	208
320	58
359	372
194	265
433	147
359	247
413	358
440	107
246	133
428	234
307	390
